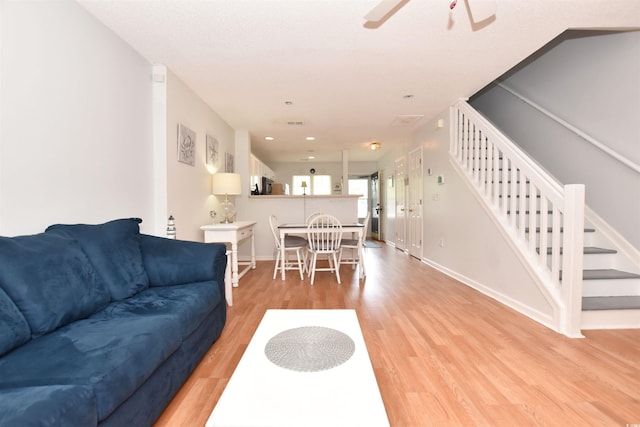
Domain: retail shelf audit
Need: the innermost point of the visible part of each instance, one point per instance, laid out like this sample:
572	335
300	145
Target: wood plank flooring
443	354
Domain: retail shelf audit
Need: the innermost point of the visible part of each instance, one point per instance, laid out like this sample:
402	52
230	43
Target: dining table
300	228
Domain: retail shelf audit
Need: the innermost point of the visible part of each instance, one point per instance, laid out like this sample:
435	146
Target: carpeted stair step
608	274
588	250
527	212
610	283
549	230
611	303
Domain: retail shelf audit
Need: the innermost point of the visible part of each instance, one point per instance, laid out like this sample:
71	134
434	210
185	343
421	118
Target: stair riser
611	319
602	288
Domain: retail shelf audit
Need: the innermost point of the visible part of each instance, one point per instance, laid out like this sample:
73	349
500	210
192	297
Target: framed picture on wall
229	163
212	150
186	145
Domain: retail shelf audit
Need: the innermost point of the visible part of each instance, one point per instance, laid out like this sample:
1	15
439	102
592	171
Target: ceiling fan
479	10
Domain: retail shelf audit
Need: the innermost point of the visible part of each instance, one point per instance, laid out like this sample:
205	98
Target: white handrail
619	157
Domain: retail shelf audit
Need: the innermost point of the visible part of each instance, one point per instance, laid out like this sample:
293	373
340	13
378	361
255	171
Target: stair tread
603	274
606	274
588	250
527	212
549	230
611	303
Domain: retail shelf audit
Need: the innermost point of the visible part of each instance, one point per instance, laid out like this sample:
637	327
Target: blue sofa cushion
173	262
114	250
113	357
14	329
50	280
188	304
54	405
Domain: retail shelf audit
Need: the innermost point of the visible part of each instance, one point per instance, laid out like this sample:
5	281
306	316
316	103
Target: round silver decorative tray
309	348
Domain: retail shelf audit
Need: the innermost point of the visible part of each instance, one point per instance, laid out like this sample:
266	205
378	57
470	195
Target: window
316	185
360	186
321	185
296	183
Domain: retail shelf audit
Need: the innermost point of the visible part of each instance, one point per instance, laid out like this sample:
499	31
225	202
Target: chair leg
275	269
312	266
300	268
335	261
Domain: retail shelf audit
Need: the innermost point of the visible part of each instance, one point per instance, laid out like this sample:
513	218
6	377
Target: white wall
189	197
75	121
593	83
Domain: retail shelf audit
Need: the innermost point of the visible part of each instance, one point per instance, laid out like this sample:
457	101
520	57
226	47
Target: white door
401	218
415	203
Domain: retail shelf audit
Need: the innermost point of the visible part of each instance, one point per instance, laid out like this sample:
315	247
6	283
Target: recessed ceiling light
374	146
269	138
311	157
310	138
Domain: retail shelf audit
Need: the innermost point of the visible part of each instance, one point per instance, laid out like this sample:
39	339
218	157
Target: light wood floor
443	354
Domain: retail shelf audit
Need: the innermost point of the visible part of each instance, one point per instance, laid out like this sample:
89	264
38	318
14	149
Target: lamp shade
226	183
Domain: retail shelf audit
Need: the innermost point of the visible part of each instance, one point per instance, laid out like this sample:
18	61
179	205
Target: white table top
261	393
236	225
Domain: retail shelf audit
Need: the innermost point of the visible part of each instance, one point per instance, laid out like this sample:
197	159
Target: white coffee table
260	393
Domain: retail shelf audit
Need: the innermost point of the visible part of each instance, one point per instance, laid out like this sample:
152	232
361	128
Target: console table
233	233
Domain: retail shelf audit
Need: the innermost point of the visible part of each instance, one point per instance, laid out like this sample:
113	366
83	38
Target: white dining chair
354	248
324	234
291	244
311	216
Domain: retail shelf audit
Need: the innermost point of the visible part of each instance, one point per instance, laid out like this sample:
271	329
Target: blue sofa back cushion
14	329
114	250
50	280
173	262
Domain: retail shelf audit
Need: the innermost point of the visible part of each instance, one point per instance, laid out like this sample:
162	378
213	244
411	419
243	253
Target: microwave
266	185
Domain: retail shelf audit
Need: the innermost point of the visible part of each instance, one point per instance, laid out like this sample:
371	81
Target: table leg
253	251
227	282
361	240
234	264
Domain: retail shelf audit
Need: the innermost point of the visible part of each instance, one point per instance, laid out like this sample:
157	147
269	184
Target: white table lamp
226	183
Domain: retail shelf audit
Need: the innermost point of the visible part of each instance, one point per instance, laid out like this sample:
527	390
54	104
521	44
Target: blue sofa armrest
174	262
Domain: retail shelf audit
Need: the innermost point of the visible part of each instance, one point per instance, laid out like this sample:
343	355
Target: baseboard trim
535	315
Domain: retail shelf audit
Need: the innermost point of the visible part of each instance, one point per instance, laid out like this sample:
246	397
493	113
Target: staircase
589	274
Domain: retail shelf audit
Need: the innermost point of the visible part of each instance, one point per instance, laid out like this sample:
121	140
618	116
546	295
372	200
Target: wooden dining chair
291	244
324	235
354	248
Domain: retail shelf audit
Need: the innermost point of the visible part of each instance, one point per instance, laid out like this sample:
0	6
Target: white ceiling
347	81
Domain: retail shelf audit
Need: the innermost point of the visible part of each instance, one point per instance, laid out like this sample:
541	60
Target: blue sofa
101	325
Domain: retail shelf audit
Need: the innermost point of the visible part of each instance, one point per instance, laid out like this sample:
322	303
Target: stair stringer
630	255
478	153
549	291
628	258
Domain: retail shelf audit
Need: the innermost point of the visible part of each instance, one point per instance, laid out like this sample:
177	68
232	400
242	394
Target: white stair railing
544	220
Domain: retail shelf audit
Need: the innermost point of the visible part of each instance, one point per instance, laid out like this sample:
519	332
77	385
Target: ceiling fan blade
479	10
381	10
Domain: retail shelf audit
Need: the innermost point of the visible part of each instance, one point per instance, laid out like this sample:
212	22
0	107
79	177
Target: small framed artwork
229	163
212	150
186	145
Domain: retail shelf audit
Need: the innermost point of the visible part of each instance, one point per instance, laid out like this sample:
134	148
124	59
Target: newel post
572	259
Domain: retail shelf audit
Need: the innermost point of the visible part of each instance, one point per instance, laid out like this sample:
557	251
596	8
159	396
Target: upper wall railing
619	157
544	221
